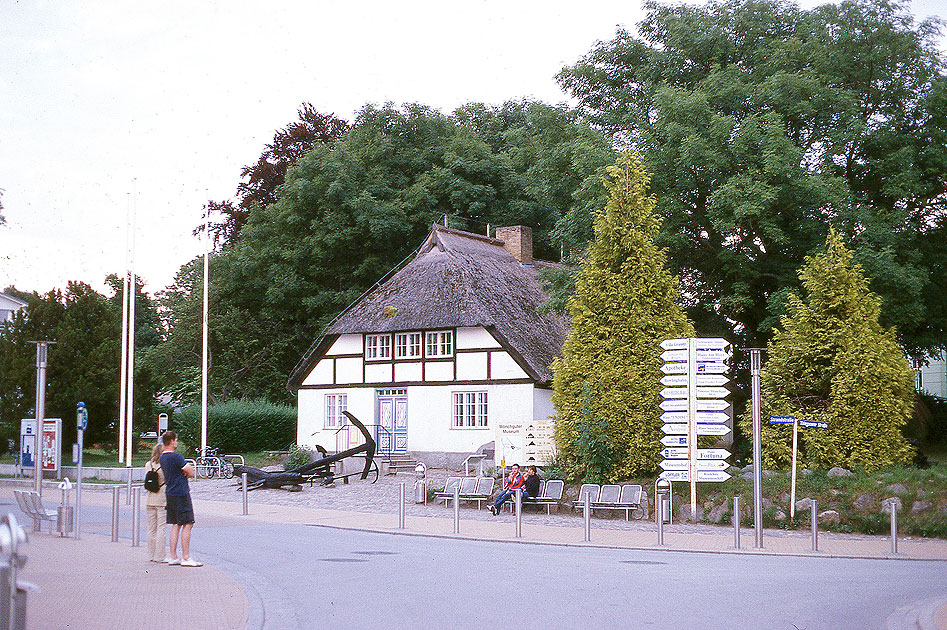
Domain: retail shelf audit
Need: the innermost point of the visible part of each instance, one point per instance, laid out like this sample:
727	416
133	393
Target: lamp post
757	450
41	348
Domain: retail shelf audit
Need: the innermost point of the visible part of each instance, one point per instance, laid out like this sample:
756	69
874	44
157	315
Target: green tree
762	123
831	360
607	384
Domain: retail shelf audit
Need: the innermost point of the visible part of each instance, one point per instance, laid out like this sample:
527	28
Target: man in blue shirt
180	511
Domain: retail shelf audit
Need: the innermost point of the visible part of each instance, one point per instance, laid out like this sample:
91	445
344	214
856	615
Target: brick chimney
518	240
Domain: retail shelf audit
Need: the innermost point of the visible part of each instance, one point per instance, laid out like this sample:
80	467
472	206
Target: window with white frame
335	405
440	343
407	345
377	347
470	410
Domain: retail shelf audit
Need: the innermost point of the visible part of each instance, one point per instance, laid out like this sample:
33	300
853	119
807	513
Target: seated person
513	483
531	487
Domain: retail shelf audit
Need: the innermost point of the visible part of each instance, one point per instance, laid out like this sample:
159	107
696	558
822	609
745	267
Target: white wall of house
477	362
932	378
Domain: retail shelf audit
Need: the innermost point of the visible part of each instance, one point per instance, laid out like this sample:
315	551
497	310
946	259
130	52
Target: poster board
525	442
50	438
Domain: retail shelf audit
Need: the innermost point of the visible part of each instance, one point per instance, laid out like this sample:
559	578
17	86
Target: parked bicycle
210	464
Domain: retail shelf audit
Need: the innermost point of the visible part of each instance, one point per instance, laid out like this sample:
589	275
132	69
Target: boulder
829	517
747	475
839	472
684	513
780	516
921	506
897	488
784	497
805	472
769	473
865	503
716	514
886	504
803	504
767	504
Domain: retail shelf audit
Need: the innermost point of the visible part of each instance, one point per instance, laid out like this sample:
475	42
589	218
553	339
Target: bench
550	493
31	504
592	490
476	489
626	497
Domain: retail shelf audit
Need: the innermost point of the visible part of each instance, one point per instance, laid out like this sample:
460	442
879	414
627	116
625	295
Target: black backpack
152	483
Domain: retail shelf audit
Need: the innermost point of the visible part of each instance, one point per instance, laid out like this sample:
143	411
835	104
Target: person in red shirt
514	482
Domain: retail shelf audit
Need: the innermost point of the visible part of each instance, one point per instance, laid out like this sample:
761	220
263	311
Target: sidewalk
73	575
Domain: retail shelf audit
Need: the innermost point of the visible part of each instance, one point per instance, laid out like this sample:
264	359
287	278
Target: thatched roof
458	279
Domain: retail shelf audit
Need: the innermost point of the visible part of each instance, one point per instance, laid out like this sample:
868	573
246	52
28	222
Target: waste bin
662	499
65	514
420	483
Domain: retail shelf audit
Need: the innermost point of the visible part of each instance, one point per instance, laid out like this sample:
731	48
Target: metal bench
590	489
32	505
550	493
626	497
448	491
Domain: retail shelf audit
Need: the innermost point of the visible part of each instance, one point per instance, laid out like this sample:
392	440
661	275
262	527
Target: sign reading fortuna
694	389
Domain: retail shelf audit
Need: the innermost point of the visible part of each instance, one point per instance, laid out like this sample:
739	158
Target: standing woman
155	506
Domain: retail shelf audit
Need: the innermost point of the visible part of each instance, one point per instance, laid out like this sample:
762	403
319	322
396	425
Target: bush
937	422
238	426
298	456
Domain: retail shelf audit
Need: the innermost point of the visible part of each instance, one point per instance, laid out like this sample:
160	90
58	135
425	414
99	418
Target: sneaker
191	562
172	561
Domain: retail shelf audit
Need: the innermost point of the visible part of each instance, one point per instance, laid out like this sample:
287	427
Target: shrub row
238	426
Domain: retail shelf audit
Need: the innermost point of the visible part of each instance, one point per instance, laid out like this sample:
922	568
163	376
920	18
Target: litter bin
662	499
65	514
420	483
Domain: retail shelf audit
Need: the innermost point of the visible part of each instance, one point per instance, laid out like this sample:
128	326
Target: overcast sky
171	99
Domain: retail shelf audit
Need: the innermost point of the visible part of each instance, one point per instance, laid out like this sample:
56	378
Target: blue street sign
782	419
82	416
814	424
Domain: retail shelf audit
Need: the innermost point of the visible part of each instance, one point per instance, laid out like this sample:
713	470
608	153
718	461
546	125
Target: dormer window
439	343
377	347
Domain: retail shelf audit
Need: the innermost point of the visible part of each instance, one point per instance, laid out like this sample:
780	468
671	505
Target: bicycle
210	464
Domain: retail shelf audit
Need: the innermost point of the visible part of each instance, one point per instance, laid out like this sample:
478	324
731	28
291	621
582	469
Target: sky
109	107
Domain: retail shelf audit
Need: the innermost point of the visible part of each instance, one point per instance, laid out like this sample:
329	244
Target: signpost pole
41	347
792	477
692	423
82	420
757	451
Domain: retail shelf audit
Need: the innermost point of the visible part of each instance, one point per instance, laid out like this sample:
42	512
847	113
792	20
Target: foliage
761	123
937	422
832	361
298	456
83	364
606	385
238	425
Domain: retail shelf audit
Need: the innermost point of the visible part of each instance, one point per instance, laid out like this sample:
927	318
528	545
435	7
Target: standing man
180	511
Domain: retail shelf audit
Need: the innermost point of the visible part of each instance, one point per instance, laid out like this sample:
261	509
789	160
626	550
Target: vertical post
205	353
692	424
814	520
79	484
130	412
243	487
115	490
136	518
792	475
41	348
660	514
587	517
457	510
519	513
401	506
757	451
894	527
128	497
735	517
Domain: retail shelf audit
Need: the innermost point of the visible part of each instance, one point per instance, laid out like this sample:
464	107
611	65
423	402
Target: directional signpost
693	404
808	424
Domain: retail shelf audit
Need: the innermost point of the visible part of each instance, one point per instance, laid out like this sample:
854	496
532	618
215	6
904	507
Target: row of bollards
12	591
659	518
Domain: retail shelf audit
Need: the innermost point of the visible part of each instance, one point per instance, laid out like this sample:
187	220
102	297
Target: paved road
305	577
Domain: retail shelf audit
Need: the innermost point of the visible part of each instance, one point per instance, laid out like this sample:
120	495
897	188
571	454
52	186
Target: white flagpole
124	369
133	285
204	358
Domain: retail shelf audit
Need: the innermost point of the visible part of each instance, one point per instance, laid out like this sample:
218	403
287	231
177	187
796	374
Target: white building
8	306
438	358
931	374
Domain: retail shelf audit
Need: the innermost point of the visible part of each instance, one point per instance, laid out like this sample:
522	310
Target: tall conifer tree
607	388
831	360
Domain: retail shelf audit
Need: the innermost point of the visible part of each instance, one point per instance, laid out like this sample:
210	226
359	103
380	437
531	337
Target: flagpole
133	286
123	378
205	331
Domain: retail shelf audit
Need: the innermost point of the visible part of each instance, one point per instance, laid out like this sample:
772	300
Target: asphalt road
316	577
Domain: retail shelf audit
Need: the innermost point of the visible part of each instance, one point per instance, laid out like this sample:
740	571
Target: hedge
238	426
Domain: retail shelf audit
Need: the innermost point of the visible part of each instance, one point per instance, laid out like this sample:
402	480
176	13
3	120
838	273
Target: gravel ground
382	497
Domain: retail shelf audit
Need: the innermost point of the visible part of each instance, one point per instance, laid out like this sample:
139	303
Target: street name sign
814	424
782	419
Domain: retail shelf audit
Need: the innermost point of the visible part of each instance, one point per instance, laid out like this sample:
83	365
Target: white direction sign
712	453
702	475
703	404
700	416
703	367
708	343
711	392
712	429
702	464
675	453
675	429
699	355
674	440
701	380
674	392
674	344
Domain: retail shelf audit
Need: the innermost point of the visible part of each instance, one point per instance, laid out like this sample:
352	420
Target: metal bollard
246	502
115	491
660	516
814	519
128	497
894	527
518	532
735	517
587	517
136	518
401	506
456	510
12	591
